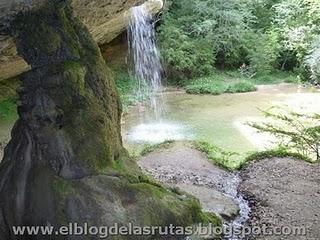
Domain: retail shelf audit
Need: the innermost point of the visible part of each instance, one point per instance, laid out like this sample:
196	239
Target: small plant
295	131
207	88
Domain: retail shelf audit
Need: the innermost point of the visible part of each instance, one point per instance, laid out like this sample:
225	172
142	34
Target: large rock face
105	19
65	162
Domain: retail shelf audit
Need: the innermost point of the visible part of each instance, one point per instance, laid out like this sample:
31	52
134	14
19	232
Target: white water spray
146	57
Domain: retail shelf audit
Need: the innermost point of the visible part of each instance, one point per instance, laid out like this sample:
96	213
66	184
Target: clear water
146	58
220	120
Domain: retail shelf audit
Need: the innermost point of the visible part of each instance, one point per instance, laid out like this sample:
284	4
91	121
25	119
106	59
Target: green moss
211	218
69	31
8	110
63	187
273	153
75	73
235	161
51	42
9	88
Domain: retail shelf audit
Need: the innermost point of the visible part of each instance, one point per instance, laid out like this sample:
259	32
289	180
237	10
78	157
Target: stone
105	21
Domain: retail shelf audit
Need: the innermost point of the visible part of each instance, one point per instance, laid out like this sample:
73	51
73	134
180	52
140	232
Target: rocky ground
284	193
280	192
184	167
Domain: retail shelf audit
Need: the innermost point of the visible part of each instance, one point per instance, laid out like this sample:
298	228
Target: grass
234	82
148	148
235	161
231	161
276	78
226	159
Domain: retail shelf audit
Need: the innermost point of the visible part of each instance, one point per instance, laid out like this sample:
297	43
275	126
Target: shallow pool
220	120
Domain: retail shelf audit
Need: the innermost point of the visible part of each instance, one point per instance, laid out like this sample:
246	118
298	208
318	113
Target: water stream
146	58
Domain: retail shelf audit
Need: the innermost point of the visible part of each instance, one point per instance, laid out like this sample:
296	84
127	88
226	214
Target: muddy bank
283	193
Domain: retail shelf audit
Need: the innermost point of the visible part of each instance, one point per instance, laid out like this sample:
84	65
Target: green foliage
263	50
296	132
219	83
279	152
240	87
296	22
197	36
312	61
208	88
226	159
195	33
276	77
185	56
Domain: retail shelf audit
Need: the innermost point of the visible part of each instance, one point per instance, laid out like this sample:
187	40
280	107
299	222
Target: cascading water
148	72
146	58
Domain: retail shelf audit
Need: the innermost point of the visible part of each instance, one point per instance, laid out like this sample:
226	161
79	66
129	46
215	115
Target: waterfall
146	58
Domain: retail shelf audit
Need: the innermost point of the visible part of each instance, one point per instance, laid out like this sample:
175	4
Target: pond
220	120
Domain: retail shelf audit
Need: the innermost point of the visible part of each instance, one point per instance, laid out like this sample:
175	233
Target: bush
262	52
185	57
219	83
240	87
209	88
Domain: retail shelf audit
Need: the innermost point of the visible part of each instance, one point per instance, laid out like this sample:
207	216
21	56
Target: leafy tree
313	61
198	35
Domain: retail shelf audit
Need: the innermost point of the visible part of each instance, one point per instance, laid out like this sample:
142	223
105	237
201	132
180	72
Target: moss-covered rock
65	162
